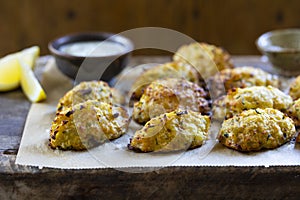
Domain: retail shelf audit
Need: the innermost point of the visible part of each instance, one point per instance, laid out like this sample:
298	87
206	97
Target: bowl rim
268	34
77	37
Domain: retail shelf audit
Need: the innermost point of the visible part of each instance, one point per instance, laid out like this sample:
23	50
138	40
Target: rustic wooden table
25	182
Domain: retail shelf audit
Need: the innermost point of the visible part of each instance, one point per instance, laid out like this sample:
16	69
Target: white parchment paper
34	150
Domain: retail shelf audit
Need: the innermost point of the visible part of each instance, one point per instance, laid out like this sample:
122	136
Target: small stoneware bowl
282	47
102	55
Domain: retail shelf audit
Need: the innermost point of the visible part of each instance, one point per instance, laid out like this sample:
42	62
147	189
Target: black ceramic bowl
107	66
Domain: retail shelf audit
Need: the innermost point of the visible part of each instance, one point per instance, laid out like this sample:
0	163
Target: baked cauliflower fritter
206	58
166	95
294	113
86	125
240	77
90	90
257	129
240	99
295	88
177	130
167	70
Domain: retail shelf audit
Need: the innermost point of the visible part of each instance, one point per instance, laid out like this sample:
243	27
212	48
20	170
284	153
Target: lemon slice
29	55
30	85
10	67
9	73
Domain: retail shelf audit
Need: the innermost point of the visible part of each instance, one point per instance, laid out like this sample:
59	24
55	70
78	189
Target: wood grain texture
14	108
167	183
232	24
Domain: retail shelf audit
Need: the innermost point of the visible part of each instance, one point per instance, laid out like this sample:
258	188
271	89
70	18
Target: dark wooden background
233	24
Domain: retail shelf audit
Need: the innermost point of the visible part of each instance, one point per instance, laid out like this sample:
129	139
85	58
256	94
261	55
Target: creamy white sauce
92	48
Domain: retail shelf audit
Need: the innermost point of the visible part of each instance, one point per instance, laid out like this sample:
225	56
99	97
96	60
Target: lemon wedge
29	55
9	73
10	67
30	85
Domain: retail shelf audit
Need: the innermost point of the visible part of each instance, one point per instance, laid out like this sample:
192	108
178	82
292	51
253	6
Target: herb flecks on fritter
90	90
295	88
176	130
167	70
240	99
257	129
294	113
86	125
163	96
240	77
207	59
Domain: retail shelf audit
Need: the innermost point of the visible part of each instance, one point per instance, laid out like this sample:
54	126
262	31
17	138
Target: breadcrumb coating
176	130
206	58
166	95
240	99
86	125
257	129
167	70
295	88
241	77
90	90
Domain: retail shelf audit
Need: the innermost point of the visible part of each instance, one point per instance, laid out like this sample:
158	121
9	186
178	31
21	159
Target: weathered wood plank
167	183
14	108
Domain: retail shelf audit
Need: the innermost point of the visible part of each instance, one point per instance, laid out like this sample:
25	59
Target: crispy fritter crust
240	77
257	129
86	125
294	113
207	59
295	88
177	130
241	99
168	70
90	90
166	95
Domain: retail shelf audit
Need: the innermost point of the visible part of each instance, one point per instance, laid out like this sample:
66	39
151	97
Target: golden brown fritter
207	59
240	77
257	129
167	70
166	95
177	130
295	88
241	99
86	125
90	90
294	113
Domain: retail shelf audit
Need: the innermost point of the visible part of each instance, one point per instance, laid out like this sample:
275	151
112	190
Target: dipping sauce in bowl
92	48
107	54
